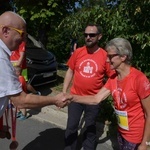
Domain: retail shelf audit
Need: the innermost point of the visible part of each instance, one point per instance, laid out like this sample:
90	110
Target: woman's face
113	57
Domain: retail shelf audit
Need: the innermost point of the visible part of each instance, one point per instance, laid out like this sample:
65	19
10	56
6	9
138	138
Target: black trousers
75	111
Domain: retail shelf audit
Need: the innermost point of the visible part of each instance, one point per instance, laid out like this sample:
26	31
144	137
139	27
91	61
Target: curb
58	117
51	114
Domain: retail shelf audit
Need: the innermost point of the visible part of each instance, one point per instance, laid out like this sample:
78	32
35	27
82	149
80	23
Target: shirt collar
4	47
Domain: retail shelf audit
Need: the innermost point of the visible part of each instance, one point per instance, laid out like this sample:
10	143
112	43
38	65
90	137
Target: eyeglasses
90	34
21	32
110	56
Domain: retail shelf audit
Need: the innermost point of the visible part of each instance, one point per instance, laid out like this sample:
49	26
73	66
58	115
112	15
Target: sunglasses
90	35
110	56
21	32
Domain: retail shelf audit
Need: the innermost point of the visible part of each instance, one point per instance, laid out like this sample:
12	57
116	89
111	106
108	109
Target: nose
88	36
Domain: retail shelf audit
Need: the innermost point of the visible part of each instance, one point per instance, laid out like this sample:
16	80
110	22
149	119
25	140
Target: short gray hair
122	47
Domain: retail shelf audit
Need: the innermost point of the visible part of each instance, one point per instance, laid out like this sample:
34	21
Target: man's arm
23	100
74	46
67	80
92	99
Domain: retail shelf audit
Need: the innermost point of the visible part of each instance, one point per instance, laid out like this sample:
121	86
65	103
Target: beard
90	44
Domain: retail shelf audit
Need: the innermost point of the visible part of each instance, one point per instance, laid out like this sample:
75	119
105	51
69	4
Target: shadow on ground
48	139
111	135
104	134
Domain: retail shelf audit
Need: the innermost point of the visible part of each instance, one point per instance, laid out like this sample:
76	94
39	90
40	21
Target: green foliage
128	19
55	21
59	44
43	17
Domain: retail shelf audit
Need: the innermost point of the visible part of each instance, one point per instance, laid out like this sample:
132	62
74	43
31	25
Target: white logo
120	98
88	68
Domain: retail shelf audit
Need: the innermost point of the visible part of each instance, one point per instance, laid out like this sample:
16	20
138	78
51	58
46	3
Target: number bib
122	118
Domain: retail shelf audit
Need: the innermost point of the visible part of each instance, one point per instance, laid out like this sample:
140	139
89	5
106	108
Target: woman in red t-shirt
130	90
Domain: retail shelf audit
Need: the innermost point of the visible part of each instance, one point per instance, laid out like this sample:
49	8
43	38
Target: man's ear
5	30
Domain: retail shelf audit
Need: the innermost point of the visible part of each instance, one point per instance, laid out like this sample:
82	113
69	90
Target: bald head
10	18
12	29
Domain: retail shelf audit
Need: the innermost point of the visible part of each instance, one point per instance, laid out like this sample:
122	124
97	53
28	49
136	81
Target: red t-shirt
16	55
127	95
23	82
89	71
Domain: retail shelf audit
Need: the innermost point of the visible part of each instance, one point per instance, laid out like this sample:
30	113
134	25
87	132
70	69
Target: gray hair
122	47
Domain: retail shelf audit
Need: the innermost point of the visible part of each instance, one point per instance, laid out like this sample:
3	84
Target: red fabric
23	82
133	89
16	55
89	71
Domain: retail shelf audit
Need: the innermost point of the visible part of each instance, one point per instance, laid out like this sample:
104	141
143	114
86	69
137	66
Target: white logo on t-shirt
88	68
120	98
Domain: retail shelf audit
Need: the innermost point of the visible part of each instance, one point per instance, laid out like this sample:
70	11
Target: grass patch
57	86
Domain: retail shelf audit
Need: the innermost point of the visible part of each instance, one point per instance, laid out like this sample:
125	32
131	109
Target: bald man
12	33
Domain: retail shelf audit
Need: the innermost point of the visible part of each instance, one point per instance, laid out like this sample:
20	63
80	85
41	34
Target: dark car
41	63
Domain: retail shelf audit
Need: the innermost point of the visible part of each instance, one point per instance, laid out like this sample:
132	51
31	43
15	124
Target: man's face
91	36
19	36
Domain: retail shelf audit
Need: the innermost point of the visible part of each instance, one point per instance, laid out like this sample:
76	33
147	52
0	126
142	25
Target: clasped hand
63	99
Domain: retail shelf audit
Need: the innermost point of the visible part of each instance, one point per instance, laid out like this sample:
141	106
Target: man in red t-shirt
18	57
87	68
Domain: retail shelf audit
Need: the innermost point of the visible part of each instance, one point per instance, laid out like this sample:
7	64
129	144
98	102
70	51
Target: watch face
3	105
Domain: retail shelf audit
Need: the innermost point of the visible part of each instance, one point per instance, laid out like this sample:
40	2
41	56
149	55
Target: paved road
40	133
33	134
36	135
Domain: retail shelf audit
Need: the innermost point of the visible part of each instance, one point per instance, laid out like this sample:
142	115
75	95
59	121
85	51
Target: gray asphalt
44	130
33	134
36	135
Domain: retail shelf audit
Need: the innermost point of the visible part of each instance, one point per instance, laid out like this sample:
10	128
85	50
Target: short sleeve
142	86
8	80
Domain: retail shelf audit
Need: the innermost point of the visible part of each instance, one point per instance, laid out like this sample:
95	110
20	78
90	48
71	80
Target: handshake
63	99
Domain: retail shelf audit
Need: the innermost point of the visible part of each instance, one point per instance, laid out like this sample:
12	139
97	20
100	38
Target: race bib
122	117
